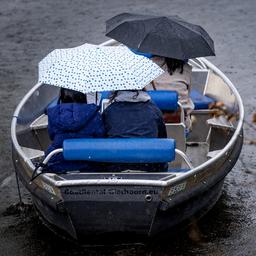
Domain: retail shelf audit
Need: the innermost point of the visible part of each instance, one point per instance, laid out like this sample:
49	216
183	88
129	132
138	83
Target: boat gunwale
144	182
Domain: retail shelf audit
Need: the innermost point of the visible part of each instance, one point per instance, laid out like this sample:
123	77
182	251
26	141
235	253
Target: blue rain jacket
72	120
134	120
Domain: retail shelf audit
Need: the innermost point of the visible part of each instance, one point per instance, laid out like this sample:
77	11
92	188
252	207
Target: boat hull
80	205
85	210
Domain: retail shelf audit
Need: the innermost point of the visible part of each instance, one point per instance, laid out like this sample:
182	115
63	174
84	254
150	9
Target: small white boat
80	204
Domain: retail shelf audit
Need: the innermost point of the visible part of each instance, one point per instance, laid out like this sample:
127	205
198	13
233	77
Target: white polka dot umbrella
91	68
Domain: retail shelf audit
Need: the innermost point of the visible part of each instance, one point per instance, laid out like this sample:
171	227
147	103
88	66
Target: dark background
30	29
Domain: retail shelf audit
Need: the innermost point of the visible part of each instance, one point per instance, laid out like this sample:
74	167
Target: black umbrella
164	36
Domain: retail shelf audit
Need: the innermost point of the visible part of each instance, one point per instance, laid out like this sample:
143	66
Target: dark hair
173	64
71	96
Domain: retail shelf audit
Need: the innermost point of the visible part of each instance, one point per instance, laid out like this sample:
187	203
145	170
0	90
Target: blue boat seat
104	95
120	150
165	100
200	101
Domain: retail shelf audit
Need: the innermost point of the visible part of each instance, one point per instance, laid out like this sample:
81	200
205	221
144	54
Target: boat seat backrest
120	150
165	100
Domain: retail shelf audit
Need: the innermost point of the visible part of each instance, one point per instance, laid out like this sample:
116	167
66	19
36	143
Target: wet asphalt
30	29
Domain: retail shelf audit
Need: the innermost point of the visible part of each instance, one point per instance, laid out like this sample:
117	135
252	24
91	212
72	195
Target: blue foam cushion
200	101
165	100
105	95
120	150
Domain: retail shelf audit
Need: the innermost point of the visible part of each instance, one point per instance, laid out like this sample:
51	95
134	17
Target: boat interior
214	120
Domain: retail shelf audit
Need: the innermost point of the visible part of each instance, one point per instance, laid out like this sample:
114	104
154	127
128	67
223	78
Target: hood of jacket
71	116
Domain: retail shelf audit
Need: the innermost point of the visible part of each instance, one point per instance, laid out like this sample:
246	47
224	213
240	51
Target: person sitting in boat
177	77
132	114
72	117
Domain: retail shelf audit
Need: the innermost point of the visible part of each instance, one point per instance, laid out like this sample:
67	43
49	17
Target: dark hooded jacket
134	116
72	120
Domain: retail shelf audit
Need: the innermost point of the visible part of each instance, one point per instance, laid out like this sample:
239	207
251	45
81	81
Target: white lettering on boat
110	191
